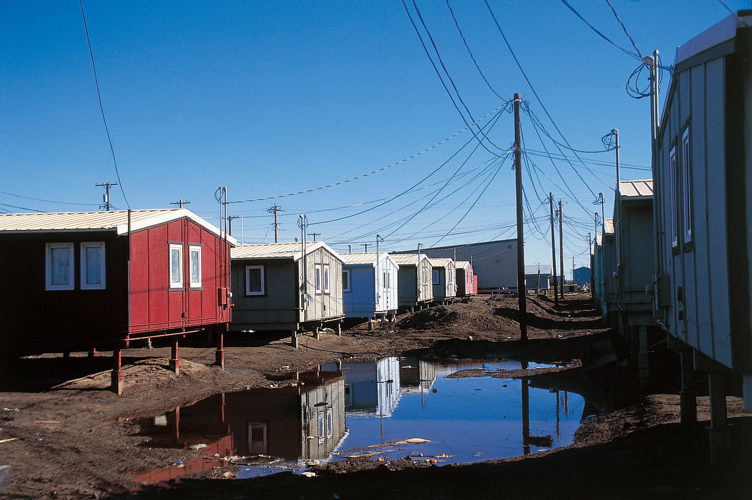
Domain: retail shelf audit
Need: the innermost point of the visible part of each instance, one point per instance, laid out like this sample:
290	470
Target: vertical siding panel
698	138
716	188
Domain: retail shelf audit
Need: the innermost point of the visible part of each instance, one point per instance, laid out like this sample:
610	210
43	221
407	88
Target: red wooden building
99	280
466	281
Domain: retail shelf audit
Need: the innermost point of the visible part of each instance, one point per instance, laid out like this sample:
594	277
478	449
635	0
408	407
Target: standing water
384	409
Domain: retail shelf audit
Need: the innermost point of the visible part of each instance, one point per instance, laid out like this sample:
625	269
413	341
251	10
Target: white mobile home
369	285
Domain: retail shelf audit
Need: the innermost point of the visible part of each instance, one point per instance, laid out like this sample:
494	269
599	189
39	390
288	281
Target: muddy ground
65	435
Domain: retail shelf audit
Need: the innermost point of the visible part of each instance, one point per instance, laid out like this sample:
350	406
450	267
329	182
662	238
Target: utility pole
274	210
180	202
314	235
365	245
561	248
106	197
521	290
553	248
229	222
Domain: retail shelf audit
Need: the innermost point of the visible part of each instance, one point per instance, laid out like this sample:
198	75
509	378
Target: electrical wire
438	73
101	107
50	201
499	108
628	52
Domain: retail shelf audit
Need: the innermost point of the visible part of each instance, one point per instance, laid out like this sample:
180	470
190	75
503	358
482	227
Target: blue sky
275	98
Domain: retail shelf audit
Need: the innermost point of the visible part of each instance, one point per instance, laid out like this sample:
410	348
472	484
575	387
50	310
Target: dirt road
65	435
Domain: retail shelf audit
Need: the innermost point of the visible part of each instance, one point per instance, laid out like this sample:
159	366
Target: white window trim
248	282
176	284
686	187
346	281
48	267
192	250
326	279
673	202
84	267
317	278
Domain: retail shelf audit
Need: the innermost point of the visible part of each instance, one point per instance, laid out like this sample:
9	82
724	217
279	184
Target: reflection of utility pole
274	210
525	393
314	235
180	202
106	197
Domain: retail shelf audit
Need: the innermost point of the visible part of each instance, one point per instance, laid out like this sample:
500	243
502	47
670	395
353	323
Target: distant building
494	262
582	276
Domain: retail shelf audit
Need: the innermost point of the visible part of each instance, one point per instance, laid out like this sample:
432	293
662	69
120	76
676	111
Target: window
92	266
59	266
194	257
435	277
385	280
686	186
176	266
673	205
345	280
317	277
257	437
254	280
326	278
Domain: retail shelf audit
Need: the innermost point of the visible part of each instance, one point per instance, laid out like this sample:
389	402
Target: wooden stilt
294	339
117	371
220	360
174	358
720	443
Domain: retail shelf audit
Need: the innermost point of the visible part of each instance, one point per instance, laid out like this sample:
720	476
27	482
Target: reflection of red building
98	280
304	421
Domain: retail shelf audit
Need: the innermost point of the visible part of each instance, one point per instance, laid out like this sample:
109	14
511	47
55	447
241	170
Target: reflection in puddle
385	409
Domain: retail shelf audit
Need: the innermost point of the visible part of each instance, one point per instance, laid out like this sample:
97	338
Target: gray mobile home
286	286
494	262
444	278
415	288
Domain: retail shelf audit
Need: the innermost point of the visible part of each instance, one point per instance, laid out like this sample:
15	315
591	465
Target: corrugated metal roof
116	220
359	258
278	250
462	264
406	259
636	189
440	261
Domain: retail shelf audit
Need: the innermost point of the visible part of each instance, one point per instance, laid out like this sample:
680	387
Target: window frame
49	285
176	285
102	285
326	276
346	280
686	171
248	291
317	276
194	249
673	201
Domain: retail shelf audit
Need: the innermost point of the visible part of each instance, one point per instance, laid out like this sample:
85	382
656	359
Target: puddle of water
371	409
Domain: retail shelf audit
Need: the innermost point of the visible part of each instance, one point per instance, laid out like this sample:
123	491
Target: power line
628	52
375	171
50	201
101	107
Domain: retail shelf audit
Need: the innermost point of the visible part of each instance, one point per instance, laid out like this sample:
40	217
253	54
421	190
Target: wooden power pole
561	248
521	289
553	248
274	210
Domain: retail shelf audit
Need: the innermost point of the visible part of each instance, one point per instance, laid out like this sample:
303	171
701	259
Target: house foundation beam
117	371
643	365
294	339
720	438
687	397
174	358
220	355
